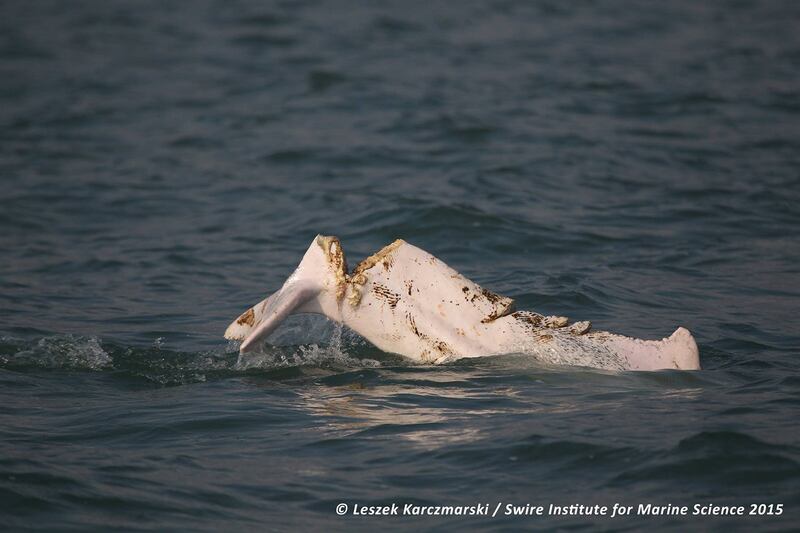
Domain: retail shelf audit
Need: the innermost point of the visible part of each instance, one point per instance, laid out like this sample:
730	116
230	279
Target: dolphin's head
317	285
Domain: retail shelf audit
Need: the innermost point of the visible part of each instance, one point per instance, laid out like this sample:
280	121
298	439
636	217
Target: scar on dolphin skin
440	346
409	286
412	324
386	294
384	256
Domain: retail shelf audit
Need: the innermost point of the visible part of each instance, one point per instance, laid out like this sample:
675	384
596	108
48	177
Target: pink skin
408	302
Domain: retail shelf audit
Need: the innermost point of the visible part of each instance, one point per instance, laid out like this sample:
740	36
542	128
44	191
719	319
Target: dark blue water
164	165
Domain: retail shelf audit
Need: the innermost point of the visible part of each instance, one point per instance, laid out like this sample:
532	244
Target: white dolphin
405	301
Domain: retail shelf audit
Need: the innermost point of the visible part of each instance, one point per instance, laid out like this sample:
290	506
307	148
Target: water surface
165	165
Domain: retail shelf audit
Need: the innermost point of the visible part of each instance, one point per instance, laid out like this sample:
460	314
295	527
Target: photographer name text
571	510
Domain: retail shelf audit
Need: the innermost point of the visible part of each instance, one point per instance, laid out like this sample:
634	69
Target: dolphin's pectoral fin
275	309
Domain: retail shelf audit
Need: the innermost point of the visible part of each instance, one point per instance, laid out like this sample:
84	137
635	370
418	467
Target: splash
61	351
163	365
334	353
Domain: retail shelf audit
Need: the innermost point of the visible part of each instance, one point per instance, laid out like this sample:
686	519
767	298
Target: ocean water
164	165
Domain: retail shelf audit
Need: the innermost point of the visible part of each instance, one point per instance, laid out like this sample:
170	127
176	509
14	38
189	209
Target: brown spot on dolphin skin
556	321
443	348
332	248
412	324
600	336
384	256
440	351
502	306
489	295
469	296
552	322
460	331
394	337
536	323
247	318
498	313
386	294
439	345
409	286
528	317
541	326
580	328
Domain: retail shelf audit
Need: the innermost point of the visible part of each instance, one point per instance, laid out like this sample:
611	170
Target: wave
65	351
164	366
340	358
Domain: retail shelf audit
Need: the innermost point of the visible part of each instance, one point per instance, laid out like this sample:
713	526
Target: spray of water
334	352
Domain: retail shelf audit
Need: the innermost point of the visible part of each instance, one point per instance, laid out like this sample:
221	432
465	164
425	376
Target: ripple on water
163	168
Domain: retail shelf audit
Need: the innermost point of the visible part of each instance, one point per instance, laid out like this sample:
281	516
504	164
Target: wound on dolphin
445	317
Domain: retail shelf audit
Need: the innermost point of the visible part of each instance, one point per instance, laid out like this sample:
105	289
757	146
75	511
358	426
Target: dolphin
406	301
